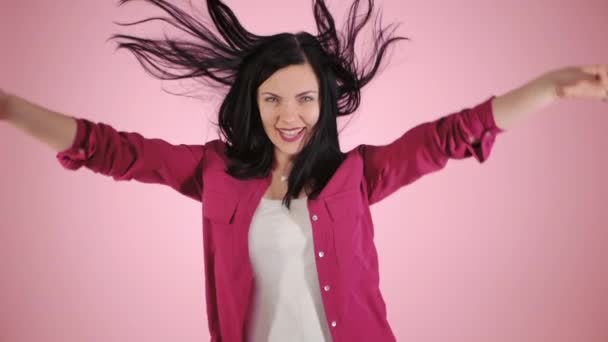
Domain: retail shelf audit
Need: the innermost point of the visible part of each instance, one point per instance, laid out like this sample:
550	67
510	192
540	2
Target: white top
287	304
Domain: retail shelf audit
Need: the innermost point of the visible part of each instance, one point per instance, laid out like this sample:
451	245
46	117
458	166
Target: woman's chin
287	150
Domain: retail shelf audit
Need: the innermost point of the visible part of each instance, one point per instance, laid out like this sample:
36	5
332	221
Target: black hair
240	60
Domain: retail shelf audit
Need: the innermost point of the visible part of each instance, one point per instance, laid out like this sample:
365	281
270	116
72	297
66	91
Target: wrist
541	91
548	85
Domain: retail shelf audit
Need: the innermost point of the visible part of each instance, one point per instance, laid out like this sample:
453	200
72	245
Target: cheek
312	117
268	117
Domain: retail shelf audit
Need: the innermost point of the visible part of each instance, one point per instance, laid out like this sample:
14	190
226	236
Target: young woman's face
289	106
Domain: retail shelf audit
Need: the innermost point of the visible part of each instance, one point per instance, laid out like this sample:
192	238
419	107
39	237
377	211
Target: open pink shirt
343	230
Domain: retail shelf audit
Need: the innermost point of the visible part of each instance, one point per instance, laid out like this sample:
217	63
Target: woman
288	235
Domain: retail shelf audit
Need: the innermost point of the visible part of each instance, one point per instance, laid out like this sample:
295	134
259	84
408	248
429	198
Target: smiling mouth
291	135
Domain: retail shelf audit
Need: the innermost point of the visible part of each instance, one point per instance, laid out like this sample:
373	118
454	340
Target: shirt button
334	323
314	218
326	288
321	254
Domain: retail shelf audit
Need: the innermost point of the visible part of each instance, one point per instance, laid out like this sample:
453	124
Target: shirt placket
325	259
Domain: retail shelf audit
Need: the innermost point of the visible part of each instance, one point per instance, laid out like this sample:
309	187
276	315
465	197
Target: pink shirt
345	254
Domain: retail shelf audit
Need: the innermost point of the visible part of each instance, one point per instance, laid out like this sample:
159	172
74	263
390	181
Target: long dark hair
235	58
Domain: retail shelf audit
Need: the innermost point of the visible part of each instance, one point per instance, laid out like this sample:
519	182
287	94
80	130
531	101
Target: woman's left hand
583	82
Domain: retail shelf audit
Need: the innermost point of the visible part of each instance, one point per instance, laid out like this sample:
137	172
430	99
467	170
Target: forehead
293	79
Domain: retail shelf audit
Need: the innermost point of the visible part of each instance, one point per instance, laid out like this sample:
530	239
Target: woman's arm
471	132
589	82
427	147
54	129
107	151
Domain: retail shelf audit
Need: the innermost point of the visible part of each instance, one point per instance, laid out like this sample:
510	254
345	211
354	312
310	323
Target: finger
600	71
593	78
585	91
592	69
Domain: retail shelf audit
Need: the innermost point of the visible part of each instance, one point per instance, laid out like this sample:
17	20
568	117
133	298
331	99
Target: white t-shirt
287	304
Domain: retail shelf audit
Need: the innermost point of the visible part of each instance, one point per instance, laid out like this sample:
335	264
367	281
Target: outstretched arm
54	129
587	82
105	150
471	132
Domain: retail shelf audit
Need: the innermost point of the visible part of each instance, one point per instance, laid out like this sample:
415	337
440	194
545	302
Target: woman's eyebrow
300	94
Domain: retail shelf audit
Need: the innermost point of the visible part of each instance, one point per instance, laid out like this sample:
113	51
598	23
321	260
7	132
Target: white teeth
291	133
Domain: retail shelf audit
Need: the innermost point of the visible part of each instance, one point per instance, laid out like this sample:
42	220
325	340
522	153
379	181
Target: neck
283	163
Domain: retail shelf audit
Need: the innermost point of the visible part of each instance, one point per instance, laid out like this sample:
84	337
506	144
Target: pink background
514	249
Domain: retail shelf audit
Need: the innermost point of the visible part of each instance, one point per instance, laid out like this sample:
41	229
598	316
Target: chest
280	239
338	218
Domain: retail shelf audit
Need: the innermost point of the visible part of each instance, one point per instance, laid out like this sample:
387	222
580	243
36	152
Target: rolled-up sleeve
130	156
470	132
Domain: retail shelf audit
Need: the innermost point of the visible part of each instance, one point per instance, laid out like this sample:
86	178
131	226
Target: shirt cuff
76	155
483	134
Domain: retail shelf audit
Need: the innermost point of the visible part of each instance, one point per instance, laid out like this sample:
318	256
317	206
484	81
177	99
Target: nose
289	113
